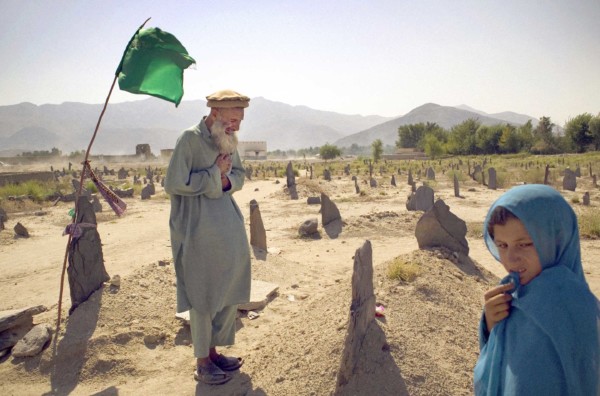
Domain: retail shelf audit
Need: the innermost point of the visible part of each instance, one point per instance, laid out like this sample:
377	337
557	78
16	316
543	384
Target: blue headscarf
549	343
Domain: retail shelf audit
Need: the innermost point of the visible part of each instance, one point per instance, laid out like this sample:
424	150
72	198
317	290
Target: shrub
399	269
589	223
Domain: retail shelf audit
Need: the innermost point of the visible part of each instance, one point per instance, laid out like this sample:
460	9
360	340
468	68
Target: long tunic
208	237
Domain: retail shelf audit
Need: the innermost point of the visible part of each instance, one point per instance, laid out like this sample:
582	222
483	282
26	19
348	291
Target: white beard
227	144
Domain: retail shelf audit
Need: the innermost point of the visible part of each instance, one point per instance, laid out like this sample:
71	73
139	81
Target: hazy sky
540	58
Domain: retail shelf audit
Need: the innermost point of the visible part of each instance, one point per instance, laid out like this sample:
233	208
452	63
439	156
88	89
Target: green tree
462	137
329	151
377	149
509	140
595	131
525	135
544	141
487	139
578	131
409	135
433	146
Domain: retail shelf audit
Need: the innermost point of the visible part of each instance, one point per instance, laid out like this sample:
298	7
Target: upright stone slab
578	171
424	198
362	313
547	175
248	171
441	228
393	181
258	235
456	187
477	171
410	177
492	178
289	175
586	198
327	174
356	187
122	174
373	182
430	174
86	270
329	211
96	204
21	231
569	180
146	192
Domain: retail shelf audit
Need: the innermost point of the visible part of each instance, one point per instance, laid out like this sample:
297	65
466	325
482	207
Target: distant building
252	150
166	153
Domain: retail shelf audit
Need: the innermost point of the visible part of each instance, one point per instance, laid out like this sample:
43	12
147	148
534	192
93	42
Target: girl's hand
497	305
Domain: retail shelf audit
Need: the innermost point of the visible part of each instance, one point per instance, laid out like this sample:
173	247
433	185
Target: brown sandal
211	374
228	363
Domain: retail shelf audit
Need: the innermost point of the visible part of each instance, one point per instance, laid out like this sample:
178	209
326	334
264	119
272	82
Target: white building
252	150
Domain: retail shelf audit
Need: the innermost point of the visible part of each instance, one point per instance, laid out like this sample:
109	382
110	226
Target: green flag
153	64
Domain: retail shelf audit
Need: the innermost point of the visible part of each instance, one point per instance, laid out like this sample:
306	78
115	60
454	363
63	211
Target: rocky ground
126	340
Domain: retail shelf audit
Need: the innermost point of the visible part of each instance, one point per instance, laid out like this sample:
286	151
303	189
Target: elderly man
208	237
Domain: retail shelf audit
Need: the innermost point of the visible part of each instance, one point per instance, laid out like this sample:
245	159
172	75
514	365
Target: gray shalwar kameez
208	236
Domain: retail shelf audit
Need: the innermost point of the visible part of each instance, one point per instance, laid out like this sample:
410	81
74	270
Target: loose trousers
208	332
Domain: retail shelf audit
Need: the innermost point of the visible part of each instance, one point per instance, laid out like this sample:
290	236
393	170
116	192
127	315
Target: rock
3	215
21	231
147	191
260	294
569	180
16	317
124	193
430	174
456	187
289	174
586	198
373	182
309	227
492	178
10	337
33	342
362	313
313	200
258	235
422	199
329	211
86	262
441	228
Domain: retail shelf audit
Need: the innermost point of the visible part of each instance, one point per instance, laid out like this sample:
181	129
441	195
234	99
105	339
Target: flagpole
85	161
78	194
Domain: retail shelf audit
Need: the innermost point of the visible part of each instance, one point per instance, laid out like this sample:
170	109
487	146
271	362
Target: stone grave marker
258	235
329	211
492	178
569	180
86	271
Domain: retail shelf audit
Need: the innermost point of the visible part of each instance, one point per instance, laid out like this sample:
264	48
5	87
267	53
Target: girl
539	330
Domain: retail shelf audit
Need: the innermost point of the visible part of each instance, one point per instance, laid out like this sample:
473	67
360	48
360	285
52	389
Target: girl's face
516	249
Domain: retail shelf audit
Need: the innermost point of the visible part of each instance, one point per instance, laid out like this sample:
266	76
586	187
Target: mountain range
69	126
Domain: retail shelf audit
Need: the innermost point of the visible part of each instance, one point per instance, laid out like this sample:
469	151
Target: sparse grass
589	222
475	230
398	269
37	190
575	199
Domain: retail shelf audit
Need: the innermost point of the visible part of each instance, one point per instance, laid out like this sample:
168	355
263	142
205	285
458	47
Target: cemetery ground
126	340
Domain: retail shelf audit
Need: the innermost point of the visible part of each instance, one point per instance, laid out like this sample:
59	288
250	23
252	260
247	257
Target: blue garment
549	344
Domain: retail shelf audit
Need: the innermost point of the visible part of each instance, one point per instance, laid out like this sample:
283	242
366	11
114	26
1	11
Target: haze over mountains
69	126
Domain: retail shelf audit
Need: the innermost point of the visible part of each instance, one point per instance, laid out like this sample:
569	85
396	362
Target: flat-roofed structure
252	150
